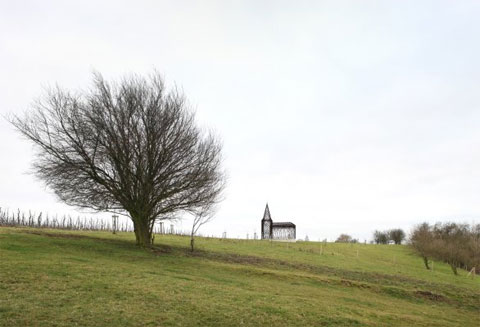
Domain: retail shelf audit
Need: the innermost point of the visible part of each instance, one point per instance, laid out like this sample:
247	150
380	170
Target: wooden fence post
472	272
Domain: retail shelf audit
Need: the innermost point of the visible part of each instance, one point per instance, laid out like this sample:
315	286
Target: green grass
64	278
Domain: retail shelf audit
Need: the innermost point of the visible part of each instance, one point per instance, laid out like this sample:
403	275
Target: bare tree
200	218
345	238
421	240
130	145
451	244
456	244
380	237
397	235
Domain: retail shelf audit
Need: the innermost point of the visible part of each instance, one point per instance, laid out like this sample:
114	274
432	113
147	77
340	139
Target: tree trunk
454	268
192	243
143	232
425	261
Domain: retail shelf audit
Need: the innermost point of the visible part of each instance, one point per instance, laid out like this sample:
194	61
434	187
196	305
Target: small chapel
284	231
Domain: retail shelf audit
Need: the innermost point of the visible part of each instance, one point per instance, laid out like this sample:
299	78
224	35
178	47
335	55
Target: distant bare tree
397	235
421	240
345	238
131	146
380	237
200	218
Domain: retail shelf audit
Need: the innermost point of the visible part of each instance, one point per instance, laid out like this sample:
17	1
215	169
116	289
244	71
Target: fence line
40	220
18	218
31	219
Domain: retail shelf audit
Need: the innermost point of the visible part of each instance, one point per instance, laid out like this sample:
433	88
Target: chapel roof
283	224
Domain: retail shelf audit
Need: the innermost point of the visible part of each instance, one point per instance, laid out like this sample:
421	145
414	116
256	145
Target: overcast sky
346	116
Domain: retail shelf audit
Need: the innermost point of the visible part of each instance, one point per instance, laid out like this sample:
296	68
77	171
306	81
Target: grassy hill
65	278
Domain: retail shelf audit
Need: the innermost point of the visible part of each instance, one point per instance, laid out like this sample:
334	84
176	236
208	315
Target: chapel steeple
266	214
267	224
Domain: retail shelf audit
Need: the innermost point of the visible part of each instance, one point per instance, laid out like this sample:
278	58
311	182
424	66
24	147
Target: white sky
346	116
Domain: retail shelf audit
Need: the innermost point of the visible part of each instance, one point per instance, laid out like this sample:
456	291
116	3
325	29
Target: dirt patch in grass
430	296
349	283
63	235
161	249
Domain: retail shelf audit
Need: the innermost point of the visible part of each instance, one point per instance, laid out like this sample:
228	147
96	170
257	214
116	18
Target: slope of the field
65	278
